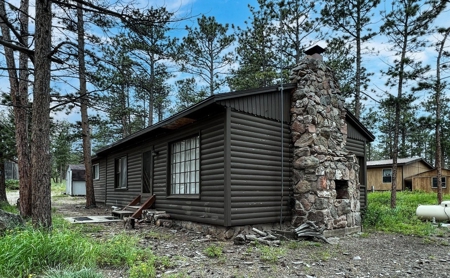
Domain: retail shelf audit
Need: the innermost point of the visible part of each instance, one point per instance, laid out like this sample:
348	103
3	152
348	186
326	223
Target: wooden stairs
134	208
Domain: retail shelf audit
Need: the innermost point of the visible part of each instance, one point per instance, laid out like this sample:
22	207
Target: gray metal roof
400	161
76	167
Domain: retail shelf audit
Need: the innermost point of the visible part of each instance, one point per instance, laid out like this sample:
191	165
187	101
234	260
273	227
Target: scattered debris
261	237
309	229
159	218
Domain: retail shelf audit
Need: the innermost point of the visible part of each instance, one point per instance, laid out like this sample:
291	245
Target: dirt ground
359	255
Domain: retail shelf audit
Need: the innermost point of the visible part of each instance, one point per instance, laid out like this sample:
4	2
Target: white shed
75	182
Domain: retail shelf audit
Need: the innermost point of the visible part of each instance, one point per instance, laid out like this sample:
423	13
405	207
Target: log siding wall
255	146
100	183
208	207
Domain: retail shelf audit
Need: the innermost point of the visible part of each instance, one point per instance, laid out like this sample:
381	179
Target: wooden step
132	207
146	205
122	213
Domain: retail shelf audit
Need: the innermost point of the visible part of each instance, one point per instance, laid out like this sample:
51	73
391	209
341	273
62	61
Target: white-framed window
95	171
120	170
185	166
434	182
387	175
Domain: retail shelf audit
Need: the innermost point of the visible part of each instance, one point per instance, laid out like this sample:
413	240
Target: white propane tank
439	212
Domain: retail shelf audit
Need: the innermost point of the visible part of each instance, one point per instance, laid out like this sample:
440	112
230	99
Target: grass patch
271	254
70	273
58	188
67	251
31	251
122	250
8	208
403	220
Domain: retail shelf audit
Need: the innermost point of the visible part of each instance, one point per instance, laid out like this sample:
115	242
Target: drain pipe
282	117
282	154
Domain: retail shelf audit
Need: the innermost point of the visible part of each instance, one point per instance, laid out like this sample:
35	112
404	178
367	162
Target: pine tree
405	25
353	18
256	51
204	52
18	83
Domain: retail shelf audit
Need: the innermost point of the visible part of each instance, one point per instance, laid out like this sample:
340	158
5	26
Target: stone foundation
224	233
325	174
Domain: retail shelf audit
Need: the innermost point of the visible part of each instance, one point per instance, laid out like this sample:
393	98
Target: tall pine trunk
438	88
84	99
40	128
19	97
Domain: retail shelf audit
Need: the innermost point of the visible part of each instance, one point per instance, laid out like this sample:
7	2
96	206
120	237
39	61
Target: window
185	166
95	171
387	175
120	172
434	182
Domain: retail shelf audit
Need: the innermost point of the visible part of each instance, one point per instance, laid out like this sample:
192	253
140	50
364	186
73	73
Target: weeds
70	273
122	250
31	251
213	251
379	215
271	254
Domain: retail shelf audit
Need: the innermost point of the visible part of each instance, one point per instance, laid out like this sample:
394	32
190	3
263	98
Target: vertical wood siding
256	170
262	105
353	133
423	181
375	179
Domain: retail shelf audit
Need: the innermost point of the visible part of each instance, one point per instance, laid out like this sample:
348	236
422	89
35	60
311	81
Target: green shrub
12	184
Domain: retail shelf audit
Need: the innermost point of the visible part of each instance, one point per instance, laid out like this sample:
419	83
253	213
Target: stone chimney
325	174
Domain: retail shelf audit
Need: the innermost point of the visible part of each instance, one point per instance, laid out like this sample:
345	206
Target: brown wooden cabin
224	161
427	181
379	173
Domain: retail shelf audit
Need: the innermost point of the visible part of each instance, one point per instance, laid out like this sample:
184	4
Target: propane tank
439	212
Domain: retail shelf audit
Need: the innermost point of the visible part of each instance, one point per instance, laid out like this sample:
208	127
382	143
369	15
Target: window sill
184	196
121	189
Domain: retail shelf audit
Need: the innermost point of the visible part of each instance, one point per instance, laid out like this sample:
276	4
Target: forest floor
371	254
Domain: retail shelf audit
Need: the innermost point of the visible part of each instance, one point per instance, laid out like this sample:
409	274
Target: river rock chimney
325	174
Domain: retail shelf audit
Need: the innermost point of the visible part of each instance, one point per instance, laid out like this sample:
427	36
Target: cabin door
147	172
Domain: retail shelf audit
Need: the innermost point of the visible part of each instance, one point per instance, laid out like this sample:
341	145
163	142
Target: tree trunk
19	98
2	181
40	129
438	118
84	99
358	63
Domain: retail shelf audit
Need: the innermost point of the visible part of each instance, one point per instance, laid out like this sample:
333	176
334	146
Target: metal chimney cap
316	49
